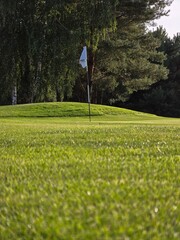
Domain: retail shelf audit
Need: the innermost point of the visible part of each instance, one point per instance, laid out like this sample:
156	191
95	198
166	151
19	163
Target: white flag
83	58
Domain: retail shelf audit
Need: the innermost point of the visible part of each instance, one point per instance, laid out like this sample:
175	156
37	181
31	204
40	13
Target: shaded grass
70	179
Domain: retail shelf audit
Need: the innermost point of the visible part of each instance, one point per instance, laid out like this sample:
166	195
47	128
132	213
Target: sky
172	22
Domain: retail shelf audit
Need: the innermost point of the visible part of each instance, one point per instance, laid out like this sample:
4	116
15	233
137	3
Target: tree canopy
41	41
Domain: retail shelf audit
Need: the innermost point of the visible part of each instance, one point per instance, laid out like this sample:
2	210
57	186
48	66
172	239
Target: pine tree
128	62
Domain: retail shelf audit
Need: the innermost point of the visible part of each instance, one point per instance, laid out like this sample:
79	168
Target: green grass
115	178
59	110
64	110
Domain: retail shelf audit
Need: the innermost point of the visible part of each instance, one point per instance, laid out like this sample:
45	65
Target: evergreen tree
127	63
163	98
122	16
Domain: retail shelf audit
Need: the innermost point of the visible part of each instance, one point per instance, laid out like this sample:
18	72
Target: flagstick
88	93
84	64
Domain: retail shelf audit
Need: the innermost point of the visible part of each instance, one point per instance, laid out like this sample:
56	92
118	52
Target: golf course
64	177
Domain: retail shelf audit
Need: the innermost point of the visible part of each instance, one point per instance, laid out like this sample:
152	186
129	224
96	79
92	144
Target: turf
63	177
59	110
64	109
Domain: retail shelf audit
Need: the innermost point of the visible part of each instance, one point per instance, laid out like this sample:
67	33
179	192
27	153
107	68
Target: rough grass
65	178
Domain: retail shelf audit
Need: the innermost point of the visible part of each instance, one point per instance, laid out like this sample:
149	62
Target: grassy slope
76	112
63	110
63	178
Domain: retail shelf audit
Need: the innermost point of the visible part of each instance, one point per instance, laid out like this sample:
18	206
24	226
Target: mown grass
65	178
59	110
65	110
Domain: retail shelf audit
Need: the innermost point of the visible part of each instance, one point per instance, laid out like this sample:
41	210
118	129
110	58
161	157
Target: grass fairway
63	177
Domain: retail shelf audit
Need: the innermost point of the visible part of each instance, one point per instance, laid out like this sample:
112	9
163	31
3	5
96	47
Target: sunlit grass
67	178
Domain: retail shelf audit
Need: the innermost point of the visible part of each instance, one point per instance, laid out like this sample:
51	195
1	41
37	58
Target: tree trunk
14	95
26	95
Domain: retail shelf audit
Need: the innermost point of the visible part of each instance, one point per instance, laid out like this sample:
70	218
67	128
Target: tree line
41	42
162	97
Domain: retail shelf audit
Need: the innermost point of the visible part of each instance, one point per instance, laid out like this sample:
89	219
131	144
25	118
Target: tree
41	41
130	62
121	15
163	97
39	48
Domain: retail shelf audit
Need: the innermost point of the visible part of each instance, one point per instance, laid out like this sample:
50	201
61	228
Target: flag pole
88	94
84	63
